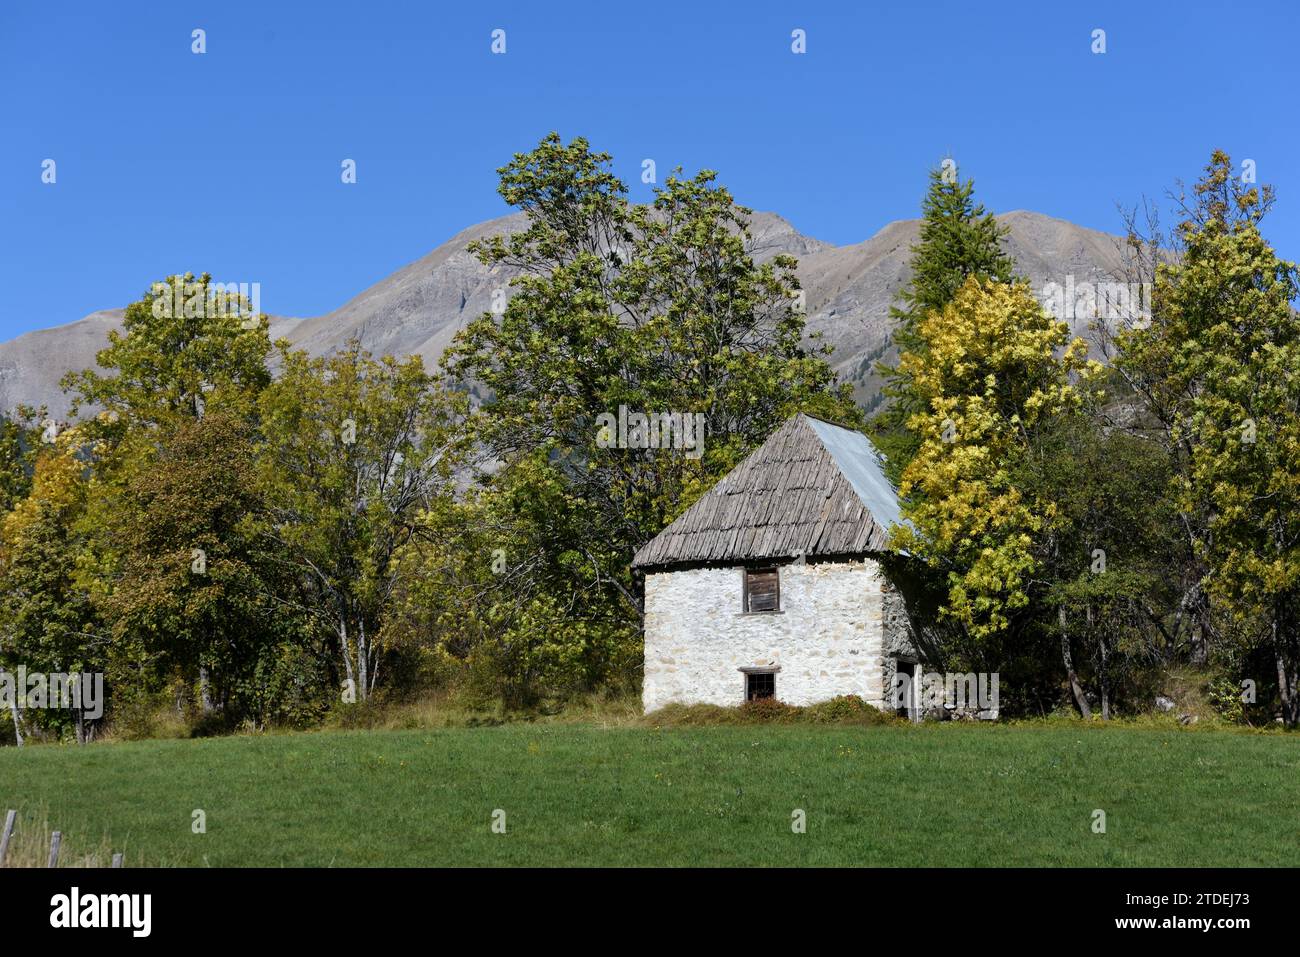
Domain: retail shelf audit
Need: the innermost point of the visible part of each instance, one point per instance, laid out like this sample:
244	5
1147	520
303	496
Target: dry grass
444	709
30	845
438	710
843	710
1188	689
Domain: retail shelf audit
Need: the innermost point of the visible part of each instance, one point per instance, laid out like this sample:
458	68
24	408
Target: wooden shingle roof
812	488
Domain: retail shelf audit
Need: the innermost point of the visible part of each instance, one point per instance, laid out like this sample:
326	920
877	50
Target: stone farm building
772	584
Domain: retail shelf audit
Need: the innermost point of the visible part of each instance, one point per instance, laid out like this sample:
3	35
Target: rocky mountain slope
420	307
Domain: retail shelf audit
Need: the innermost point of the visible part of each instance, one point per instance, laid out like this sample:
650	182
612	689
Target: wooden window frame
744	593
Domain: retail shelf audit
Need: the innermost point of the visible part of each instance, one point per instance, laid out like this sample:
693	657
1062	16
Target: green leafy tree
958	239
1107	563
187	348
182	346
196	591
354	449
477	595
1219	360
653	308
19	440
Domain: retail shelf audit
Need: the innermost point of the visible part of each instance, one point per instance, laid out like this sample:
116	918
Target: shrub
845	709
1225	696
137	712
694	715
769	711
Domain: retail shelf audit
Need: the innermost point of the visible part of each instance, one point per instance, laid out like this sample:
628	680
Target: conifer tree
958	239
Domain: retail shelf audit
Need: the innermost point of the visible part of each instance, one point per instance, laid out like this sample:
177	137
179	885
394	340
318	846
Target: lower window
760	685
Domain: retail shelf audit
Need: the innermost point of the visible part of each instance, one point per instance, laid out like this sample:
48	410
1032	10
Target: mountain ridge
418	308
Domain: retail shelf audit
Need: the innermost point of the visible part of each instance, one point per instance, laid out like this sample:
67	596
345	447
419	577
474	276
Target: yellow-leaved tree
996	368
47	618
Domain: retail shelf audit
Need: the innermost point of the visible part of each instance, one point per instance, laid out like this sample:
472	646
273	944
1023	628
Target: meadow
579	794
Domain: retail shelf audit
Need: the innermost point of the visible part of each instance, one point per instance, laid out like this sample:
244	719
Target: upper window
762	589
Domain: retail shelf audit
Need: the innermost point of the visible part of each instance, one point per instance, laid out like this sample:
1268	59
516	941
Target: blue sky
229	162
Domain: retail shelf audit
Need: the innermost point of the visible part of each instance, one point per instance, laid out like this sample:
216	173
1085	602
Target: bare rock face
418	309
32	365
850	288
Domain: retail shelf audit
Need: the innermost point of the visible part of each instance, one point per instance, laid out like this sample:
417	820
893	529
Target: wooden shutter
762	589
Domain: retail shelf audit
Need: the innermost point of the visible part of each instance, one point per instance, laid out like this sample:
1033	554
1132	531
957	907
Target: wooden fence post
117	860
55	840
10	818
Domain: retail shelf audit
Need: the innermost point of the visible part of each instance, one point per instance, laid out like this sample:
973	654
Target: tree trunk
1105	683
1201	633
1080	698
346	647
18	724
363	661
205	690
1286	682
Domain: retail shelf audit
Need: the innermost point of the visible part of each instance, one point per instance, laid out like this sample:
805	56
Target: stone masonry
828	638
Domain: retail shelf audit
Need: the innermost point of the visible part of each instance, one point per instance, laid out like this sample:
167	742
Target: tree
196	590
1220	360
654	309
48	621
187	347
958	239
19	440
353	450
480	595
1107	563
988	379
182	345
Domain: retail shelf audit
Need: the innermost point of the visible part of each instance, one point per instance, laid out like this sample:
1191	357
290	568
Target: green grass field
583	795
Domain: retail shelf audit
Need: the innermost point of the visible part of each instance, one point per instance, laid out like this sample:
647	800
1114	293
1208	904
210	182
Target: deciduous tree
1221	361
354	449
988	379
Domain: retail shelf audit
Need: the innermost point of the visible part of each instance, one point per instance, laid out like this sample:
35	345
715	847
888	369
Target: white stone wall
827	638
